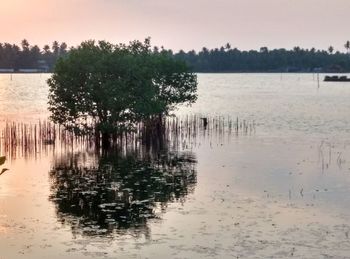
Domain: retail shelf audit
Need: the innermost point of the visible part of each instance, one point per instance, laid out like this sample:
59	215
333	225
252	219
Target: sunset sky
180	24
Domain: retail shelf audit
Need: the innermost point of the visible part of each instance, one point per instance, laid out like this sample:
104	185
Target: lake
278	190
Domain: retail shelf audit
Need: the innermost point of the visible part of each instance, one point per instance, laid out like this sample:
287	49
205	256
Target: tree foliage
106	88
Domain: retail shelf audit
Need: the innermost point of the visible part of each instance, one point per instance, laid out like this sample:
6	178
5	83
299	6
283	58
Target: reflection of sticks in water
339	160
330	154
205	123
321	157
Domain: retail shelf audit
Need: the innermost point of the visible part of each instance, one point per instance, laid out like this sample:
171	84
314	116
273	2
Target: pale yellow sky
180	24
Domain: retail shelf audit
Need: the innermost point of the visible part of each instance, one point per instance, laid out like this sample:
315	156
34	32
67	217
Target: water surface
279	191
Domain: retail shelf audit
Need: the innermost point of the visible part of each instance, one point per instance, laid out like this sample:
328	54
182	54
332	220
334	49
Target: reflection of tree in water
119	192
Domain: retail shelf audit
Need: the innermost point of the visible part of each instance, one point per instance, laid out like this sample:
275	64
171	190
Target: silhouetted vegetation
105	90
27	56
227	59
223	59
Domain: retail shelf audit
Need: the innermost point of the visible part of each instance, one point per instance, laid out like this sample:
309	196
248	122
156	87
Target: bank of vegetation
26	57
31	58
227	59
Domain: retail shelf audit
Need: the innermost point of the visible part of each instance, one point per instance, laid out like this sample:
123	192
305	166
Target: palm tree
55	48
330	49
25	45
46	49
347	46
63	48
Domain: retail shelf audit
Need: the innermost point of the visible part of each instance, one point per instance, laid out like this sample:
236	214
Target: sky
180	24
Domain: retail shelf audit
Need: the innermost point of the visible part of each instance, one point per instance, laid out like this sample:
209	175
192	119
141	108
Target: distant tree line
227	59
223	59
28	56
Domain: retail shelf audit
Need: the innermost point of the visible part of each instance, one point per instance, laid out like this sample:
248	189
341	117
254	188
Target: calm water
282	191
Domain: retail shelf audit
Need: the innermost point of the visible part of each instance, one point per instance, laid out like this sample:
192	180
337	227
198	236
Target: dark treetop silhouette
31	57
222	59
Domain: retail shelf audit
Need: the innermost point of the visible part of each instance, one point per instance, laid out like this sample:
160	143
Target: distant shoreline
235	72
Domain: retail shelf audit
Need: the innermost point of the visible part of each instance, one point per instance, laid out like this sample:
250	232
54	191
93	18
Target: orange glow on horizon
180	24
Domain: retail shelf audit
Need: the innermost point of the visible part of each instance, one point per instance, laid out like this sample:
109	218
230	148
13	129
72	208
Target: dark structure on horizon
336	79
